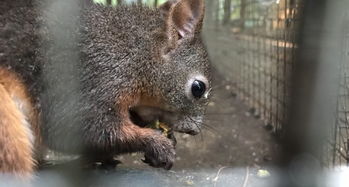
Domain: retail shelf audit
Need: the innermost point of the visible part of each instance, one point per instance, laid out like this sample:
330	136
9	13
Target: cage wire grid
262	54
264	51
339	141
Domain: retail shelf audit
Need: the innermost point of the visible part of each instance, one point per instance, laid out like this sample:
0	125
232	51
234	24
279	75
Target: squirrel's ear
186	17
166	7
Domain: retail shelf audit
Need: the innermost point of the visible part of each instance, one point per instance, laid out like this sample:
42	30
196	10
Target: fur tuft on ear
166	7
186	16
183	17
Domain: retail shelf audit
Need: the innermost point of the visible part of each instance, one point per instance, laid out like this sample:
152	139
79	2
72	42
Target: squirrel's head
182	72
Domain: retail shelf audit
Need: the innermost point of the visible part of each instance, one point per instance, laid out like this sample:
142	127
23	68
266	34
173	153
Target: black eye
198	89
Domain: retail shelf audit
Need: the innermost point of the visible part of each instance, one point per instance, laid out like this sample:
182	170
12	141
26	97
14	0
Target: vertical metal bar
264	64
278	66
254	52
249	59
270	75
61	72
259	57
285	66
347	152
314	80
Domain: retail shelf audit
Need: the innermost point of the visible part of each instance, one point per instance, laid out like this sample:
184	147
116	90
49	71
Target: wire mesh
264	37
339	142
261	55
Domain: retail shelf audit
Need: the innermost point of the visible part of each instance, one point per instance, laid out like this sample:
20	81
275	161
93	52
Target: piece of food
164	128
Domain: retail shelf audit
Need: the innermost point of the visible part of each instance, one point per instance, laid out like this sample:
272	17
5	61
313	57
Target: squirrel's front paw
160	153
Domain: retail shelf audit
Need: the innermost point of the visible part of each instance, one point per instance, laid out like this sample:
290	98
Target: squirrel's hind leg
16	131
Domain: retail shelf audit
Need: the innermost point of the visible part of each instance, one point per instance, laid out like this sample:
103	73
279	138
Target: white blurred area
339	177
221	177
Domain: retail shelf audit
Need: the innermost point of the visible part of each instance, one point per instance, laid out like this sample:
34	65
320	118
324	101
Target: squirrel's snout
188	128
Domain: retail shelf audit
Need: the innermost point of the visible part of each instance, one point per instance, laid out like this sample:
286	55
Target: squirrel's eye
198	89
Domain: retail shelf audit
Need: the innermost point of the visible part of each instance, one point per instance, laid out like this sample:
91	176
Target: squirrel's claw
160	154
155	163
172	137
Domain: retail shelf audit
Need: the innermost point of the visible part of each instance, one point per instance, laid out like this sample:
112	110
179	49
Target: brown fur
129	131
17	149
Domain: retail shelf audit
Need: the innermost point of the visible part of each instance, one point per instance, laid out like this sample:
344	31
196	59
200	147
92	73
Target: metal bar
314	79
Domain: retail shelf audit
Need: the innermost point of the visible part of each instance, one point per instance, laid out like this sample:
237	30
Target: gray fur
82	62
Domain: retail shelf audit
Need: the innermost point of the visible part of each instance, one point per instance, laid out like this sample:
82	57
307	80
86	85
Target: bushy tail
16	137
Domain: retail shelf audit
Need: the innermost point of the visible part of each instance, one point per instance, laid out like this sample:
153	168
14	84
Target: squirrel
88	82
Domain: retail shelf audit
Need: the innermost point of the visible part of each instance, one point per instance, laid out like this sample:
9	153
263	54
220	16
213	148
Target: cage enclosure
279	112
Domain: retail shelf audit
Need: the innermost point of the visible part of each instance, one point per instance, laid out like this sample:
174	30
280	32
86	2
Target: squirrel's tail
16	131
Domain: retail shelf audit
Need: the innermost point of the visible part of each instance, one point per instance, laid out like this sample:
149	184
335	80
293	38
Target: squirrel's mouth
144	116
148	116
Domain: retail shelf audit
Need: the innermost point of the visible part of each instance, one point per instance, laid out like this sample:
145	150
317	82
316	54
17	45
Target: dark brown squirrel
86	82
